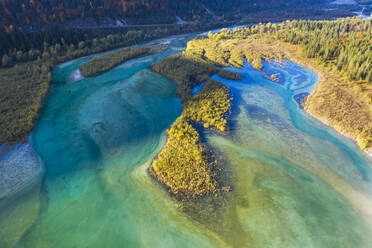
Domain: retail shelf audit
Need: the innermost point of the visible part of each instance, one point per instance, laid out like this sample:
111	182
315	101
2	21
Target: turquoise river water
295	182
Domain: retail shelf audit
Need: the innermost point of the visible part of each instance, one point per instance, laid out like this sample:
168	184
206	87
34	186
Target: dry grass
336	100
233	51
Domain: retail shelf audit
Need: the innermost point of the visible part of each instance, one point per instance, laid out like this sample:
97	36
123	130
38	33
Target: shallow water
294	179
296	183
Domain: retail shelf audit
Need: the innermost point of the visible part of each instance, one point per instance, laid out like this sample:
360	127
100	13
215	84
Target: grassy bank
337	101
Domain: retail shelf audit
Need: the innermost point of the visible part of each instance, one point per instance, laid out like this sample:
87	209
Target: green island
339	51
108	61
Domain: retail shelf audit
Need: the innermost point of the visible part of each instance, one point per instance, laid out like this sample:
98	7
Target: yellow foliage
211	106
185	165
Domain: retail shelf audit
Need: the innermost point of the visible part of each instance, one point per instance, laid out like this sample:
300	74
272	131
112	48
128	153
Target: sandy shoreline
325	121
20	168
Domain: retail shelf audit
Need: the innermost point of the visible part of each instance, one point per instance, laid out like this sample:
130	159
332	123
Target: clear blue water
197	89
296	183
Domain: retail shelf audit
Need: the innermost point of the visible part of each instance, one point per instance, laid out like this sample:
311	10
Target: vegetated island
185	165
108	61
339	51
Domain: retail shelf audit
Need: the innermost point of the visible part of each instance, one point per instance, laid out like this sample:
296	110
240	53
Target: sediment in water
20	167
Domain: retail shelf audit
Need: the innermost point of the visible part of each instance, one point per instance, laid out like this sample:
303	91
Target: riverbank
343	97
334	101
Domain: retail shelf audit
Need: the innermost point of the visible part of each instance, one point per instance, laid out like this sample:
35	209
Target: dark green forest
38	12
343	45
27	25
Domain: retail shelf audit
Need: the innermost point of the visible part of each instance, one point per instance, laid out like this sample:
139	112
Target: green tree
369	77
